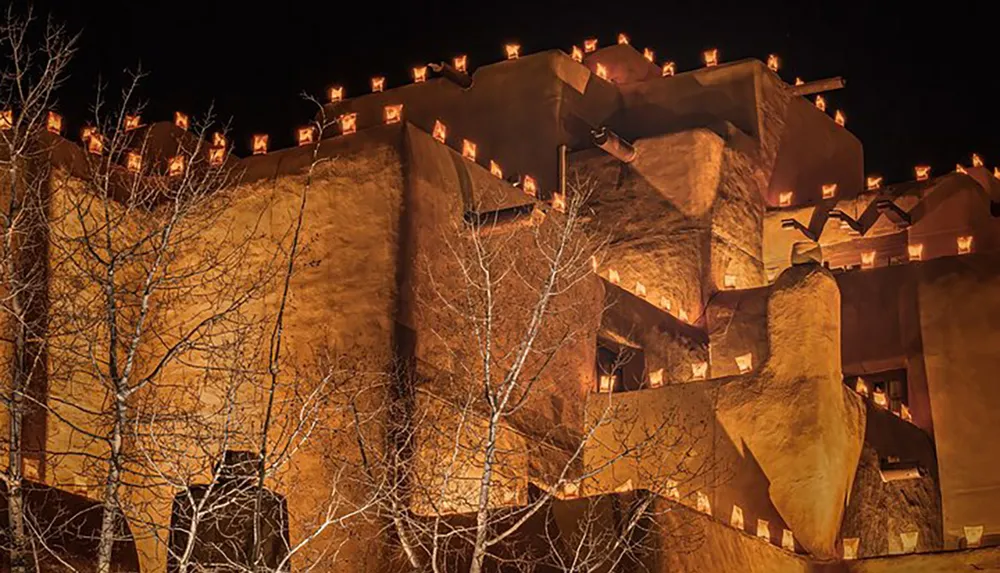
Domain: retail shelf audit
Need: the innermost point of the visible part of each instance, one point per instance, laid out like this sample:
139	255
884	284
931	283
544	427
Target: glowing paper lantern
976	160
699	370
922	172
577	54
785	198
218	140
904	413
640	289
175	166
873	182
496	170
306	135
468	150
216	156
336	94
53	122
6	119
711	57
763	529
799	82
649	55
613	277
440	131
703	504
530	186
131	122
916	252
559	202
673	492
133	162
839	118
736	519
419	74
602	71
787	540
656	378
590	45
829	190
669	69
851	548
378	84
392	114
665	303
606	383
973	535
682	315
513	51
909	540
773	63
181	120
820	103
95	143
348	123
260	144
745	362
867	259
729	281
460	63
861	387
622	39
879	398
964	244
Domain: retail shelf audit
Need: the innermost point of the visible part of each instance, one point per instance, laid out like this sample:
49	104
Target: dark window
625	365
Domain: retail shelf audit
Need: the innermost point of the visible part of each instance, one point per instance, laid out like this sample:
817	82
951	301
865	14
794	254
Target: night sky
921	81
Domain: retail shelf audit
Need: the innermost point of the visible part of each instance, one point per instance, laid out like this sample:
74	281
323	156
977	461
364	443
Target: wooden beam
819	86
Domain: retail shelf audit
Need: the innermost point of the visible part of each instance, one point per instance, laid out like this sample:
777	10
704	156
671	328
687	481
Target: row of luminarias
880	399
908	541
699	371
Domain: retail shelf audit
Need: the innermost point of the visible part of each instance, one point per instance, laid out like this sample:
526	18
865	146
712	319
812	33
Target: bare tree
34	59
511	305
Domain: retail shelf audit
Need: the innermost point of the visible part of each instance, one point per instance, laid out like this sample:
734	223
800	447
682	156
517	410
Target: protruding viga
795	417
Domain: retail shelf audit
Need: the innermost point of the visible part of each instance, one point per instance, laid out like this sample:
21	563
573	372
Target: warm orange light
649	55
378	84
640	289
419	74
87	132
656	378
964	244
703	504
880	399
682	315
839	118
131	122
590	45
736	519
873	182
665	303
861	387
602	71
530	186
744	362
763	529
133	162
440	132
6	119
461	63
851	548
392	114
260	144
785	198
181	120
996	172
577	54
915	251
468	150
669	69
867	259
613	277
495	169
95	143
53	122
821	103
216	155
960	169
787	540
976	160
348	123
699	370
673	492
799	82
306	135
336	94
773	62
829	190
513	51
559	202
729	281
622	38
711	57
606	383
218	139
904	413
175	166
923	172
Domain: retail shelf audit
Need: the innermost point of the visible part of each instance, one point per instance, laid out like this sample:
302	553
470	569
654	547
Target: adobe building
829	340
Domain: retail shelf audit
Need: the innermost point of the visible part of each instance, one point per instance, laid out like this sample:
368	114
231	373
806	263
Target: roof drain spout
450	73
613	145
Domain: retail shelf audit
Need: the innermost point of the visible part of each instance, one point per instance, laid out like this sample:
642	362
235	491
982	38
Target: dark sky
921	80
